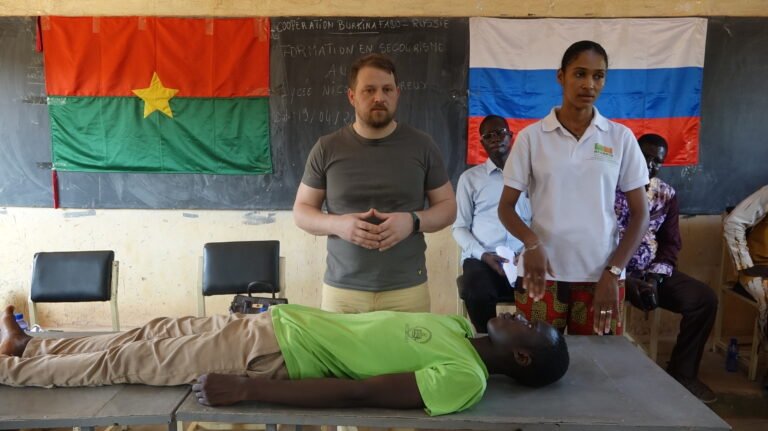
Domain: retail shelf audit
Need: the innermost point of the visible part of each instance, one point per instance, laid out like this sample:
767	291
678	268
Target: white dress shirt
747	213
477	229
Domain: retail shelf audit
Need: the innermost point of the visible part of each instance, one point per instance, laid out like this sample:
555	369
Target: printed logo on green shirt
418	334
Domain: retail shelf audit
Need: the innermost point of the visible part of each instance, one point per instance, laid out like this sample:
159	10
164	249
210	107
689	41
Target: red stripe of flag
199	57
682	133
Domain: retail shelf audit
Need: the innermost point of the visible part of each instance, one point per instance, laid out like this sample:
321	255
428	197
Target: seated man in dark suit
298	356
653	279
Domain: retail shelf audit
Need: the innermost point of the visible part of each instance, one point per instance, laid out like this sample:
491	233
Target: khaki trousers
164	352
338	300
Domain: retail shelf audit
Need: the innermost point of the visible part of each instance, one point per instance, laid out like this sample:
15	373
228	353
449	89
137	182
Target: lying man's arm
396	391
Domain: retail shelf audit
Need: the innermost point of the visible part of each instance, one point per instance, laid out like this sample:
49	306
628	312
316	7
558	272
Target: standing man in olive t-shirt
373	176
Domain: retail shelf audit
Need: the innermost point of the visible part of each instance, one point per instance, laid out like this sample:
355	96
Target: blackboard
309	59
25	149
733	150
733	154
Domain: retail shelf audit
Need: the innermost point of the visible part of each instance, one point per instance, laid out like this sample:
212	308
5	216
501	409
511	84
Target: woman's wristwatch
614	270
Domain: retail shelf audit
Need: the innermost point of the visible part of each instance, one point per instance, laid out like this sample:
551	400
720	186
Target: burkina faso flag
136	94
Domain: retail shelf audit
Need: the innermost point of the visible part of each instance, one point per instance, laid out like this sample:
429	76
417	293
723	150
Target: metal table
611	385
88	407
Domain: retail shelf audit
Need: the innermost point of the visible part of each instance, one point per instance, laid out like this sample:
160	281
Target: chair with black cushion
74	276
229	267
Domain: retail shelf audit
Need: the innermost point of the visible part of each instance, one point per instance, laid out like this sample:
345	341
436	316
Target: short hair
548	364
653	139
492	117
378	61
577	48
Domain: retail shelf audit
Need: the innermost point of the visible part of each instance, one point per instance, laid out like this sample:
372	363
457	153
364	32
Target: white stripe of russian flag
653	84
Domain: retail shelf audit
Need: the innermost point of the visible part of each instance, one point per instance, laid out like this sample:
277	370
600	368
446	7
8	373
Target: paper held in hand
510	268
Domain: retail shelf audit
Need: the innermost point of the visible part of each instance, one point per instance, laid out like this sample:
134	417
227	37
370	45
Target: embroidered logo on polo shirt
603	152
418	334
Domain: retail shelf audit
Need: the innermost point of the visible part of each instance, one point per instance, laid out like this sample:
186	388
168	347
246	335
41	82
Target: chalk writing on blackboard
357	25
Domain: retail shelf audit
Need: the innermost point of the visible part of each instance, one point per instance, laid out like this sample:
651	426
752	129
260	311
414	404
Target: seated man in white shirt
746	232
478	230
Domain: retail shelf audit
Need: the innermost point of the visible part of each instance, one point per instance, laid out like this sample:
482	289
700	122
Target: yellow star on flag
156	97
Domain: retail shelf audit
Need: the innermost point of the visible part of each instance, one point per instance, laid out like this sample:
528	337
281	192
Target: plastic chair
74	276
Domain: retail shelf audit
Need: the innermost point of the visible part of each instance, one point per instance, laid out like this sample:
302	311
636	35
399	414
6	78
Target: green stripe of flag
205	135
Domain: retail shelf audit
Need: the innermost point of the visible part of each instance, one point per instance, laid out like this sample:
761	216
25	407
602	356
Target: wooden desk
611	385
88	407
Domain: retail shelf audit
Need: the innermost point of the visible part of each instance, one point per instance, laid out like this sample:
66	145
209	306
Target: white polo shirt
572	186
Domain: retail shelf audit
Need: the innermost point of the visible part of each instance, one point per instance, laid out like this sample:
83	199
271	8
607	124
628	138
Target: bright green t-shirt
449	372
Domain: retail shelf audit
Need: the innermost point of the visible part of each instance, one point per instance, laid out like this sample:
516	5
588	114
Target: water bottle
732	356
21	322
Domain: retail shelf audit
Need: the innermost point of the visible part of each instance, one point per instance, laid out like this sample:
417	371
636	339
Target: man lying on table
298	356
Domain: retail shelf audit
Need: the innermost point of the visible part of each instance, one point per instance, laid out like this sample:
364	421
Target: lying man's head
536	353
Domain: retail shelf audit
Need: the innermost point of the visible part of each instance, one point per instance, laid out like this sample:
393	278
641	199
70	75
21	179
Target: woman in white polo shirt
571	163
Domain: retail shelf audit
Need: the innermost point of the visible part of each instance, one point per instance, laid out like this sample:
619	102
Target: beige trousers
413	299
164	352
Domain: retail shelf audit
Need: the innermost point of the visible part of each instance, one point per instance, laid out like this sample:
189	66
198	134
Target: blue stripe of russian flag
629	93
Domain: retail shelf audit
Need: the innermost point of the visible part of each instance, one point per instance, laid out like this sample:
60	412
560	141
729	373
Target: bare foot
12	339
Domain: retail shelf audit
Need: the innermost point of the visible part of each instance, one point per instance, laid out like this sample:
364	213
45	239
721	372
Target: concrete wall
159	250
159	254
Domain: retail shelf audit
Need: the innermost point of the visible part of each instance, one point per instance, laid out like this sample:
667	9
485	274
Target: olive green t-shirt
391	174
450	374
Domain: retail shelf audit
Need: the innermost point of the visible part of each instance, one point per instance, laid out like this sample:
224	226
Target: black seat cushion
228	267
72	276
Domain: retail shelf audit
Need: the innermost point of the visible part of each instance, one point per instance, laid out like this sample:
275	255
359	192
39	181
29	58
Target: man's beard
375	120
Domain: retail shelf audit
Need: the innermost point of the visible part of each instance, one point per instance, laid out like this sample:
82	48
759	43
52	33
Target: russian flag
653	85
